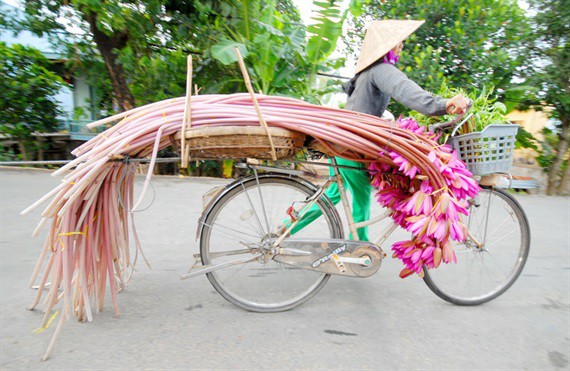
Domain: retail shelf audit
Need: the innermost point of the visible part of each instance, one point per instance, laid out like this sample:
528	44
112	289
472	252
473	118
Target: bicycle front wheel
498	222
248	217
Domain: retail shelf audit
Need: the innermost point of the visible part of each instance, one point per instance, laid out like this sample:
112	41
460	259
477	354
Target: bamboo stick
255	103
187	122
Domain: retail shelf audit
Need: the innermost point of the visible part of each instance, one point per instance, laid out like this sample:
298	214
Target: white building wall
82	98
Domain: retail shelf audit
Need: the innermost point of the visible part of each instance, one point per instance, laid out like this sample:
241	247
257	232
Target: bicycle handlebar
442	126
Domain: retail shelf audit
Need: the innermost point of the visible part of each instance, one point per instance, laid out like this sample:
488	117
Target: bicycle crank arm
342	257
202	269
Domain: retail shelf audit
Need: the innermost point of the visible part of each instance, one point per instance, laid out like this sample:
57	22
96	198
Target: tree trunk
22	148
108	47
563	188
40	147
554	175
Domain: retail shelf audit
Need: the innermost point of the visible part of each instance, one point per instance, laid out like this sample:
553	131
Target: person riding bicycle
376	81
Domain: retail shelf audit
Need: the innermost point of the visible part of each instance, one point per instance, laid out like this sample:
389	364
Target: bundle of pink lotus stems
91	211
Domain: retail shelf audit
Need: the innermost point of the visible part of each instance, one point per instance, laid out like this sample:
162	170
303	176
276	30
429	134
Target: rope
17	163
63	162
177	159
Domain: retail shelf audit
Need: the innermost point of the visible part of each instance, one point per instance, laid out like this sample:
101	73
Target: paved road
381	322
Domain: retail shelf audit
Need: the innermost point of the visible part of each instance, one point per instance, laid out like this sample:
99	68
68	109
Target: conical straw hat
381	37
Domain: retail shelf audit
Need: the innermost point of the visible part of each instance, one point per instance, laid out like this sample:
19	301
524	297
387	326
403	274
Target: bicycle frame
337	178
491	264
352	225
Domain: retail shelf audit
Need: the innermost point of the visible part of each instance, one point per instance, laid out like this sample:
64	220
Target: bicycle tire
498	265
262	286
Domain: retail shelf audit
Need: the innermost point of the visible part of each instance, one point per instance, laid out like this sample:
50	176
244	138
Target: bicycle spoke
497	228
260	226
498	265
499	239
262	203
482	275
238	234
218	254
265	285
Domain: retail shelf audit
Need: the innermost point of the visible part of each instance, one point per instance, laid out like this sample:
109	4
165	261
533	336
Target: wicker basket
242	141
488	151
315	145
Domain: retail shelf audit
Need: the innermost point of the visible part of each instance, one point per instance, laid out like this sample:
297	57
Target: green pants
358	183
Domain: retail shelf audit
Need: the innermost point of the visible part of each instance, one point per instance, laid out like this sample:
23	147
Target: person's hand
457	105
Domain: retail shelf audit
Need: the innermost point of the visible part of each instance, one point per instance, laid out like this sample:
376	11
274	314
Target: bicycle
253	218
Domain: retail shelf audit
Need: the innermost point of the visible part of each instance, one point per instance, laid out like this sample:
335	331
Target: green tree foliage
268	40
284	56
27	90
134	52
157	76
109	26
548	145
548	84
471	43
139	43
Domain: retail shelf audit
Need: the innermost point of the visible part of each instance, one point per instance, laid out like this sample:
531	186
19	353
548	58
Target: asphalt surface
381	322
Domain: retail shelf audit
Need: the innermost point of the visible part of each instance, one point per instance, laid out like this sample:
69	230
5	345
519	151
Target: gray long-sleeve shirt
376	85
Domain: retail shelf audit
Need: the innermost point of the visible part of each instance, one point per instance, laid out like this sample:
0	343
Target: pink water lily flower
420	202
438	229
454	160
410	124
445	147
448	252
449	208
433	217
458	231
457	176
418	224
444	169
404	165
401	248
400	218
415	254
378	167
410	253
464	186
390	197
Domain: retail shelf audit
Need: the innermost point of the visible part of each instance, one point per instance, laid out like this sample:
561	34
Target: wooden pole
187	121
255	103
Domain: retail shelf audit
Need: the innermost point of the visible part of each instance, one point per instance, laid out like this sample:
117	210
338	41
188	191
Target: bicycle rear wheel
247	217
497	220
